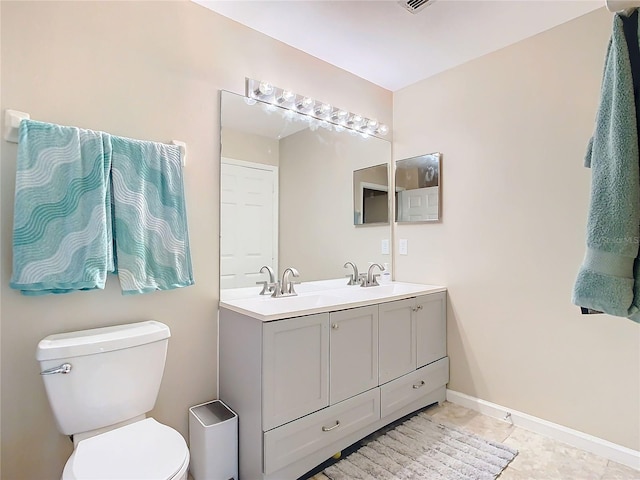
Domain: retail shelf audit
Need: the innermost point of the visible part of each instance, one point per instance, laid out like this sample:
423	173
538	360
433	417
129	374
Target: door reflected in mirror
418	194
371	195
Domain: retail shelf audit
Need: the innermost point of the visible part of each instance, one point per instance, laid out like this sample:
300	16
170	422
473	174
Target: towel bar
12	119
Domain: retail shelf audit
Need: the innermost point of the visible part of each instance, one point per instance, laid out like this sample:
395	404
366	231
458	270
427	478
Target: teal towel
608	281
150	227
62	229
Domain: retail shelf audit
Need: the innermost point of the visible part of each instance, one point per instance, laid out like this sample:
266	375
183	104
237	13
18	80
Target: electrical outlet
385	247
403	246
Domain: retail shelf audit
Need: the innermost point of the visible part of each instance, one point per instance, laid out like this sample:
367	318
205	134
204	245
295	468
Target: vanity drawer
408	388
293	441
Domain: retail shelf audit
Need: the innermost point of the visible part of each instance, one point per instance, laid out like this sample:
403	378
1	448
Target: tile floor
539	457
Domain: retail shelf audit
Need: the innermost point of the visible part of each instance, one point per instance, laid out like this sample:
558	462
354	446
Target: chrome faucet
271	285
286	287
371	280
353	277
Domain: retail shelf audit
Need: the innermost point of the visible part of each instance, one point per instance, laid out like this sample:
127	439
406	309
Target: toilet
100	384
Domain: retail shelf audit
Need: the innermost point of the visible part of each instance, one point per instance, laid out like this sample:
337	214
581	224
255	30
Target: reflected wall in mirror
371	195
286	187
418	184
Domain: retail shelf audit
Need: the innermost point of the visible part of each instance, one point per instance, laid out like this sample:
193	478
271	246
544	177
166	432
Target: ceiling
382	42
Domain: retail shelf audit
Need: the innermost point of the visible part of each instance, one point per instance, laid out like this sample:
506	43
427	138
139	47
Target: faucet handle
374	282
266	287
277	292
291	289
362	279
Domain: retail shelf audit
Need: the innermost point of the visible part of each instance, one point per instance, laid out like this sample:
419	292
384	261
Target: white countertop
318	297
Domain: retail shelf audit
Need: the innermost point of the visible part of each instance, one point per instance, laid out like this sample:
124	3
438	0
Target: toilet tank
115	374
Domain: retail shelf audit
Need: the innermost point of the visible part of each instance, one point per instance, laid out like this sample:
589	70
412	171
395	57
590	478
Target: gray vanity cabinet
309	386
431	328
295	370
397	348
413	333
353	352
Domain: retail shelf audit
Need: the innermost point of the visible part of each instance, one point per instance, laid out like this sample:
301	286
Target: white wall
148	70
249	147
513	127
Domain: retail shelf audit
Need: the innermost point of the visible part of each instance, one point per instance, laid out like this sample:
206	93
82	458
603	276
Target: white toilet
100	384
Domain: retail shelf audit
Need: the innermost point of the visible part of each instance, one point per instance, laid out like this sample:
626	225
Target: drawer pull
328	429
335	326
418	385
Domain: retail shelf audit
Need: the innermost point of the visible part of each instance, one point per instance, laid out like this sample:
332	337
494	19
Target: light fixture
329	117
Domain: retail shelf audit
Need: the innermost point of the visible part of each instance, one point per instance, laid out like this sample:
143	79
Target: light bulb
339	116
305	104
372	125
264	89
286	96
249	101
355	120
383	129
322	109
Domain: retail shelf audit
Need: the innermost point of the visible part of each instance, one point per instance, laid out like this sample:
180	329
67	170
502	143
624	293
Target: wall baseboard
617	453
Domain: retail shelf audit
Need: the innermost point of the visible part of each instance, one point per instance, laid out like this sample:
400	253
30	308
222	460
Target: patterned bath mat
421	448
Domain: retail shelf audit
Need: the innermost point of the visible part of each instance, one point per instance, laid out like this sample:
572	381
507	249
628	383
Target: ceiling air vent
414	6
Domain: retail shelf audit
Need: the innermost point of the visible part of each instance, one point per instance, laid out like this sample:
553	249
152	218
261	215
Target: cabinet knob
335	326
328	429
419	385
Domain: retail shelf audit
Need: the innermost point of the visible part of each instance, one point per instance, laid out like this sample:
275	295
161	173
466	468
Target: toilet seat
141	450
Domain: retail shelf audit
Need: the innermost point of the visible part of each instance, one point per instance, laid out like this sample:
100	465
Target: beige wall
513	127
317	234
250	148
149	70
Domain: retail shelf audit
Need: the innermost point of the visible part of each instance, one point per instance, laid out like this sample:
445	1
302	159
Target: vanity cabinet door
431	316
354	352
397	339
295	368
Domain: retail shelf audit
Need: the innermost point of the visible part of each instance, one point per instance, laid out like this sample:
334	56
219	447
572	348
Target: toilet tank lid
99	340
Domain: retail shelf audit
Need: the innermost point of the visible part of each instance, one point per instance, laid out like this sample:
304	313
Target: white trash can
213	441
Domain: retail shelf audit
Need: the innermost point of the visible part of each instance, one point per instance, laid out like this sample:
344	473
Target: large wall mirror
286	187
418	189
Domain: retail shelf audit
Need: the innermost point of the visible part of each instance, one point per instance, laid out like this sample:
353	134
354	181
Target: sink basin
390	291
268	306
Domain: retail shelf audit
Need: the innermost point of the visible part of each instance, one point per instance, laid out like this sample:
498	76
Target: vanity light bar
341	119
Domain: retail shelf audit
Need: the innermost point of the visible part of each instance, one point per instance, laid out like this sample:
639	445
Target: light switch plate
385	247
403	246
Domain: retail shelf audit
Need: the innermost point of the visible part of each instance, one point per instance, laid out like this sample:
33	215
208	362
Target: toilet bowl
141	450
101	383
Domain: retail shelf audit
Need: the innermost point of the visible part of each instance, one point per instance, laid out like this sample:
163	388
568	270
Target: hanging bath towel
606	279
61	229
150	222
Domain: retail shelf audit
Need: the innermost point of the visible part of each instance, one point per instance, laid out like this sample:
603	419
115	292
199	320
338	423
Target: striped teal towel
608	280
150	228
62	228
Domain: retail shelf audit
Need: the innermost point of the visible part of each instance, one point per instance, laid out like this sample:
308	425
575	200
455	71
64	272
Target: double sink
324	296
